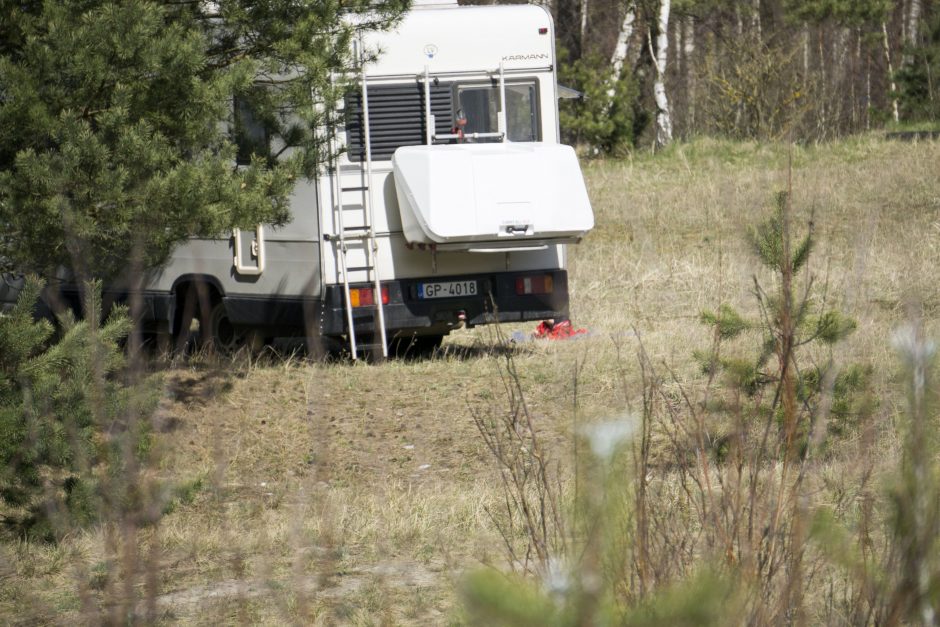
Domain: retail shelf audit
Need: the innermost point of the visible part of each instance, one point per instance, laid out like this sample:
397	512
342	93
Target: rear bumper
406	313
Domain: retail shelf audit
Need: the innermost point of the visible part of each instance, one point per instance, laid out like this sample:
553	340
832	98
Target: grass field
335	493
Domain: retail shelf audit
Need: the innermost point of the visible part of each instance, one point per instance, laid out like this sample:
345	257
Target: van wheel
194	302
227	338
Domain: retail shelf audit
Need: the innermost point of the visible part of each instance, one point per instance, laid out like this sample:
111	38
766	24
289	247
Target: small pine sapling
789	333
68	419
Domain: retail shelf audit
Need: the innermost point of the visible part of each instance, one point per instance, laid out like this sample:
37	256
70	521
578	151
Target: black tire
227	338
194	302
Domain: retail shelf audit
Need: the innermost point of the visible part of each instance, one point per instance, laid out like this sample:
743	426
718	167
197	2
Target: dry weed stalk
531	491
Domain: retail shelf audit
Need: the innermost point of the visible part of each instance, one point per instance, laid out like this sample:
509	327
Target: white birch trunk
584	16
894	87
853	77
755	19
677	49
904	21
623	44
663	119
688	40
868	91
805	35
913	25
840	46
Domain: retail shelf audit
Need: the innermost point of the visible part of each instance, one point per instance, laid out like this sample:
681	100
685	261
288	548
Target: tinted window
251	136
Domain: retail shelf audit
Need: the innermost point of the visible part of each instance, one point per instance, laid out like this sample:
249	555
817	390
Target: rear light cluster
538	284
365	296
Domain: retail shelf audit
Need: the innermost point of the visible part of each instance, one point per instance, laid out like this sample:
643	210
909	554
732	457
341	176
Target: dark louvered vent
396	118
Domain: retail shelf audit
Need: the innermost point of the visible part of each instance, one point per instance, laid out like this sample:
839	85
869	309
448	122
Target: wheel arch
178	292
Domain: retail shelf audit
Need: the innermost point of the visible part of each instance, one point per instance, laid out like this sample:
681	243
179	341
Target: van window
251	135
480	103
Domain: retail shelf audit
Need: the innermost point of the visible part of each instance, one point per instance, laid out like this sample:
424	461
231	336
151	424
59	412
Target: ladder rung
332	237
354	189
360	268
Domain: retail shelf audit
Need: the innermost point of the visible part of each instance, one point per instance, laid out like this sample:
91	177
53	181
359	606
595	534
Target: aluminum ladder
364	234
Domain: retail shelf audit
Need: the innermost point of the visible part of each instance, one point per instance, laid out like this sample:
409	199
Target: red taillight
364	296
538	284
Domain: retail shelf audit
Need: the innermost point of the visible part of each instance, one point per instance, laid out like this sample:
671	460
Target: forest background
761	69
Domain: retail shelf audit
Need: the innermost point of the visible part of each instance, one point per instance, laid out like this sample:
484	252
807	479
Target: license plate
447	289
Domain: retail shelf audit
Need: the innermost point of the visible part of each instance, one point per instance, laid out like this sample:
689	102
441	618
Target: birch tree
688	53
584	20
914	11
893	86
663	117
623	45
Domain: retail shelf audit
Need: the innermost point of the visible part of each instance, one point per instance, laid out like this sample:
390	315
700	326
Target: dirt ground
363	488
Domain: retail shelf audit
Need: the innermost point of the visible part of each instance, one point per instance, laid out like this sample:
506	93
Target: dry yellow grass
338	493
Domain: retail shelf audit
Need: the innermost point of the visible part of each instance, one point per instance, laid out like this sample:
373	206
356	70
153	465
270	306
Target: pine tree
788	326
66	414
115	121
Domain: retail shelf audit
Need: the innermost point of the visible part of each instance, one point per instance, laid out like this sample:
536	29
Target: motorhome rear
422	223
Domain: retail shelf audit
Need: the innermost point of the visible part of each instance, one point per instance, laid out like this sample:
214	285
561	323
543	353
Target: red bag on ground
548	329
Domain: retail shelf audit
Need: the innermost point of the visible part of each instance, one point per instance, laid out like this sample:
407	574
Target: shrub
68	419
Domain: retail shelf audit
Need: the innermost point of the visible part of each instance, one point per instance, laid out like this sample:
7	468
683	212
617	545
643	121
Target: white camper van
450	204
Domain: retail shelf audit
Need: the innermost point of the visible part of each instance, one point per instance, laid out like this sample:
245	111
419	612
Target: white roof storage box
491	196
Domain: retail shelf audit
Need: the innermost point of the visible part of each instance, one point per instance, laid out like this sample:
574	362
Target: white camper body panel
292	256
463	40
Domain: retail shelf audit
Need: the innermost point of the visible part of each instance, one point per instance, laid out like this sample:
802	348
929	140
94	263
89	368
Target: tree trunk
903	20
663	119
584	20
823	85
677	48
868	91
755	19
805	34
568	27
840	75
688	40
623	45
912	30
855	68
893	86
